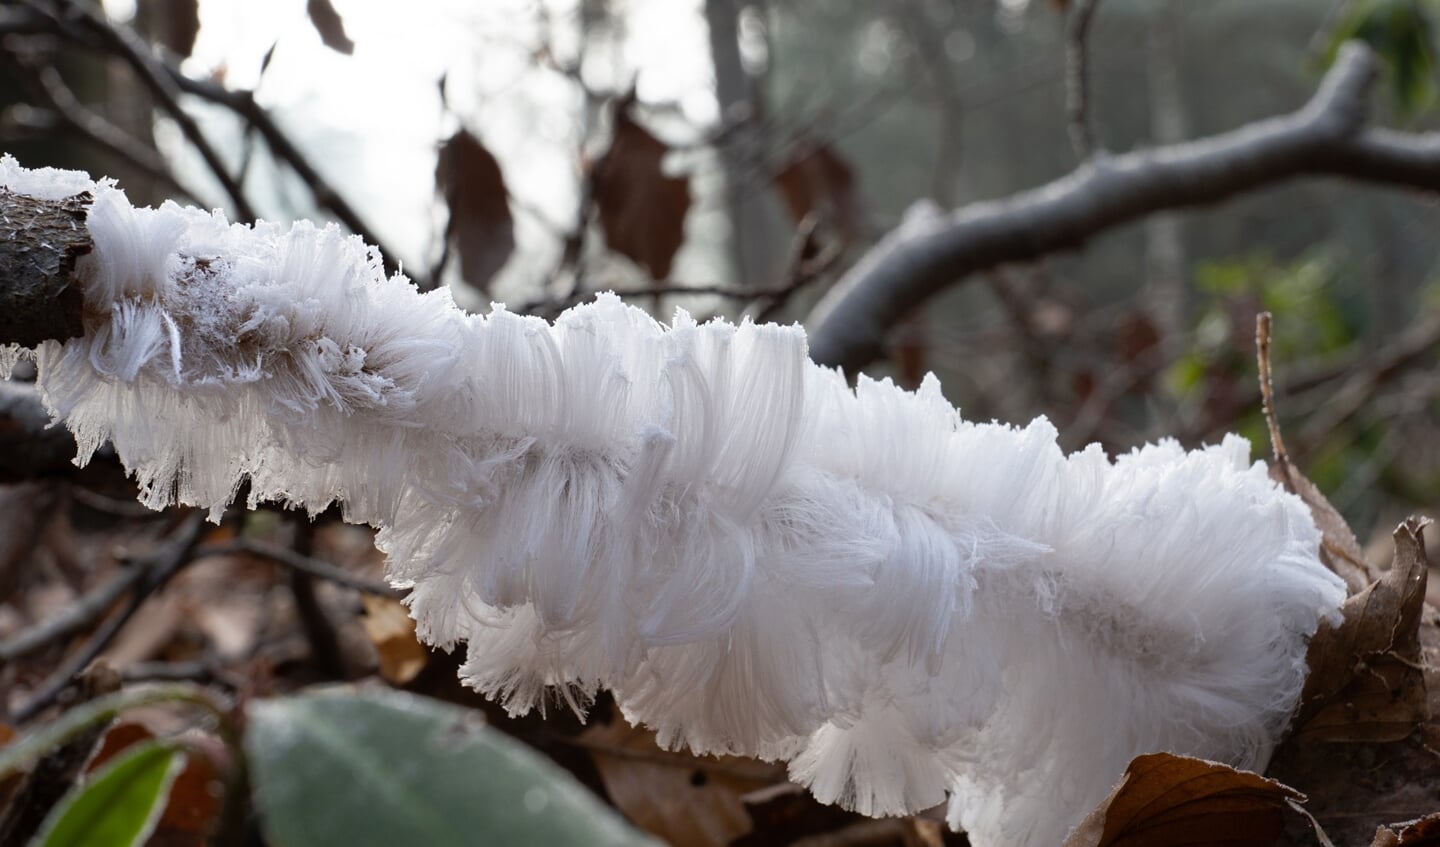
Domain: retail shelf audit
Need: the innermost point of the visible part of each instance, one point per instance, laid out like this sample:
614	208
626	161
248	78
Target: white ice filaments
753	557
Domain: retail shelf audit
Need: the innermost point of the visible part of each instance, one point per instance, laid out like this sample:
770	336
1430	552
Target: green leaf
28	748
121	802
383	768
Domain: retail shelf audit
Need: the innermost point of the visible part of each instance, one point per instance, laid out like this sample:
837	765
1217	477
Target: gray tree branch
1327	137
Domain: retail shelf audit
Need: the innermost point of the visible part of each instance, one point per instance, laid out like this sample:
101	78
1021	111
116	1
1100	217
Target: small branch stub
40	242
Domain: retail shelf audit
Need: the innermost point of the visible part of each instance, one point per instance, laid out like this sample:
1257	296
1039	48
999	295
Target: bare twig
319	629
1415	346
74	617
156	571
243	104
47	84
1327	137
801	269
117	39
1077	77
301	563
121	41
1267	391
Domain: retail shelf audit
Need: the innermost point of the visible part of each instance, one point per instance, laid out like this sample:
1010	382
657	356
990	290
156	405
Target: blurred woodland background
730	157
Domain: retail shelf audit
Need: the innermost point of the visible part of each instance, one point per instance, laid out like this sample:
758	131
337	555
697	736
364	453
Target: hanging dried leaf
173	24
330	25
1138	348
817	180
1165	800
1424	832
677	797
642	210
392	631
480	228
1366	680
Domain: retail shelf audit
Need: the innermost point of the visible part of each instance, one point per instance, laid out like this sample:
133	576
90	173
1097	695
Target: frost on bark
40	243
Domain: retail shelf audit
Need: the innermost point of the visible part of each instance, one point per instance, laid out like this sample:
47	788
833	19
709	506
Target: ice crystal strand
755	558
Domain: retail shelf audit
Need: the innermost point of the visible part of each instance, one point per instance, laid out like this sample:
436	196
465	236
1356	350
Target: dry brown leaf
1424	832
1165	800
330	25
677	797
817	180
480	228
392	631
171	23
1367	680
642	210
784	813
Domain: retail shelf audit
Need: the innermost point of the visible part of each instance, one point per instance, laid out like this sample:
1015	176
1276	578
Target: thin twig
1330	136
1077	78
320	633
157	571
47	84
296	562
1415	346
800	271
74	617
243	104
1267	392
124	43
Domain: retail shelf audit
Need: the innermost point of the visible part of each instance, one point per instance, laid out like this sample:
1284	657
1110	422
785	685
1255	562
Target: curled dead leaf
171	23
1164	800
480	228
816	180
677	797
641	209
392	631
330	25
1366	680
1423	832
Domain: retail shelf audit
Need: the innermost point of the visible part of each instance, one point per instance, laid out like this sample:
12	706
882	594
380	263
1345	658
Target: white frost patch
753	557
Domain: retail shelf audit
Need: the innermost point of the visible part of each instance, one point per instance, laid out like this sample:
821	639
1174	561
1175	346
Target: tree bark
1328	137
754	249
40	242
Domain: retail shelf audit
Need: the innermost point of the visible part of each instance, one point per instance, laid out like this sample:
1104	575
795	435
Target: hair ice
755	558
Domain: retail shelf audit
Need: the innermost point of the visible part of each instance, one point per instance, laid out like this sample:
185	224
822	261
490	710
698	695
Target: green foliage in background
1402	33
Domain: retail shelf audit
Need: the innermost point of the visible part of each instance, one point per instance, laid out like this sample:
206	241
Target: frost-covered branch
752	556
1328	137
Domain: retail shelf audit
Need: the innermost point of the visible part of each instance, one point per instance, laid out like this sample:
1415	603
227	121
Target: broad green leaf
119	804
384	768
